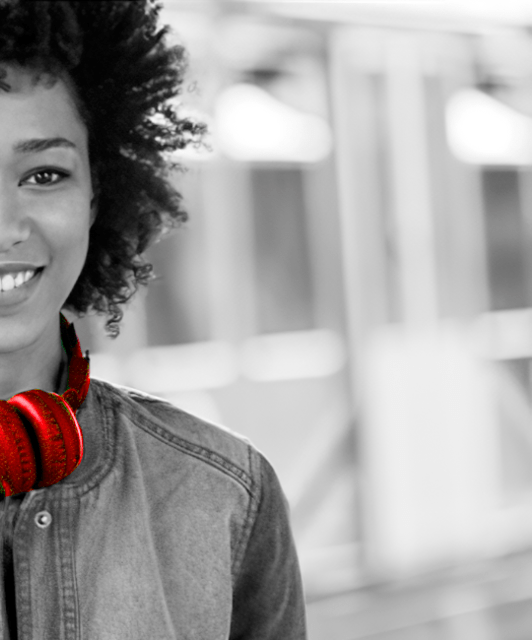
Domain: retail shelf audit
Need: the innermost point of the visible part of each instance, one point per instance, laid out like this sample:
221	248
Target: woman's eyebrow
41	144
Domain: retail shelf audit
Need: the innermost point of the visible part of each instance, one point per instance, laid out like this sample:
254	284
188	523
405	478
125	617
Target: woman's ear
3	82
94	209
95	187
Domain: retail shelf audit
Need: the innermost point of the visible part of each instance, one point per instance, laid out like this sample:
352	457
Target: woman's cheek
66	227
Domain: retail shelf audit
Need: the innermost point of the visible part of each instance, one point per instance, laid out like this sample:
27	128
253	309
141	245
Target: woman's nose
14	227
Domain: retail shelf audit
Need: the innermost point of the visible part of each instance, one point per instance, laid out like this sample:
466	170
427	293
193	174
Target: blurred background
353	292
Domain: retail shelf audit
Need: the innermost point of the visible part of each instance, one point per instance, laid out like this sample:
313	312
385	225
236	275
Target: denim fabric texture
171	528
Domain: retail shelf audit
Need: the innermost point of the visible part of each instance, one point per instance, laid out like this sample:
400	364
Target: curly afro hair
126	78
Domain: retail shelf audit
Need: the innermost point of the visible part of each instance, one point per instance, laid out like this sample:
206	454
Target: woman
159	525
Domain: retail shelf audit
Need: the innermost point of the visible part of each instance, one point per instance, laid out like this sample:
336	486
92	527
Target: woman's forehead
37	103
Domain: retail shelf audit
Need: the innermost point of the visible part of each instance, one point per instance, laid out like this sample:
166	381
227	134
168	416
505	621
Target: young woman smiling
167	526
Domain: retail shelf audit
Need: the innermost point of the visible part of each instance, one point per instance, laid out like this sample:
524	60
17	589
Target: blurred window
177	304
283	270
514	387
509	275
510	286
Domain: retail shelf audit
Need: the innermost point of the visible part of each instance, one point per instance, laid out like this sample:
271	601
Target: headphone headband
78	369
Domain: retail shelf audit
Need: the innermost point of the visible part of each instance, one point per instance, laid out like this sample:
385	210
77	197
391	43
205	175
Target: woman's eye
45	177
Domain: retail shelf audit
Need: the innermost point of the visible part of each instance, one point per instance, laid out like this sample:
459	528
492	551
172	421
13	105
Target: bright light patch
294	355
251	125
482	130
185	367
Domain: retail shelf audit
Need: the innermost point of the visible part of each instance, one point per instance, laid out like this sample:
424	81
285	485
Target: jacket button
43	519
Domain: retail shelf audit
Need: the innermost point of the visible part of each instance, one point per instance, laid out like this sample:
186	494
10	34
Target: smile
11	281
15	286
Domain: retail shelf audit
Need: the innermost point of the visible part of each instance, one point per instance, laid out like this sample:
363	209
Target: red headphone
40	439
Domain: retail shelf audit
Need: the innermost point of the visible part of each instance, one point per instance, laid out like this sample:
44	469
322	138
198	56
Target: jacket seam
70	602
197	451
249	522
201	453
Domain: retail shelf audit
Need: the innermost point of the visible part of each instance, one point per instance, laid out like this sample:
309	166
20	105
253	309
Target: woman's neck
42	365
62	375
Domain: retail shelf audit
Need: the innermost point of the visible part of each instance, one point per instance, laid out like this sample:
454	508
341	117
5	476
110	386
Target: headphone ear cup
57	431
18	469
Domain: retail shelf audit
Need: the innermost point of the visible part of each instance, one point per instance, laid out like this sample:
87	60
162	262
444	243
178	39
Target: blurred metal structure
354	293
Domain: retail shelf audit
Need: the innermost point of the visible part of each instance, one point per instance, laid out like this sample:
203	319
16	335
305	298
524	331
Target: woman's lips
21	293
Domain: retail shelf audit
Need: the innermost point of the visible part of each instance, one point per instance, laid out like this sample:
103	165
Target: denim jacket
171	528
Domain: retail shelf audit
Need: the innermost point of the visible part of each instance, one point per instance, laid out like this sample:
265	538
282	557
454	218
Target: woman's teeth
14	280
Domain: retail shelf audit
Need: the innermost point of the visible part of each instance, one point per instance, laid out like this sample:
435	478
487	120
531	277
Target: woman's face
45	204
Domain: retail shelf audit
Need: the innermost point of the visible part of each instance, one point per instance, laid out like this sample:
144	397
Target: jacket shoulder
158	418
